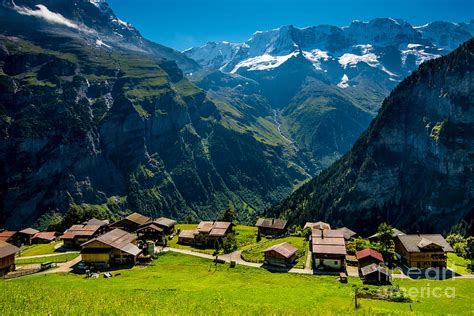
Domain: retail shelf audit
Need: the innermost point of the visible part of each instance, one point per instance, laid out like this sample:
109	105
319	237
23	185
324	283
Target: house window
336	262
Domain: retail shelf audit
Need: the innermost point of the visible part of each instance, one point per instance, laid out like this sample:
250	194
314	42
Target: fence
20	273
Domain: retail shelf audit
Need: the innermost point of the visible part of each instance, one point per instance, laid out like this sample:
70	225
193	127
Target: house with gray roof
423	250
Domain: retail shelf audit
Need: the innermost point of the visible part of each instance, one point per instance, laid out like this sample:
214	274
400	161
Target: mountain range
326	83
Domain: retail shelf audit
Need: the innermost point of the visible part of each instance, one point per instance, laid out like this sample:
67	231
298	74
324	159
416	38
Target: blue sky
184	23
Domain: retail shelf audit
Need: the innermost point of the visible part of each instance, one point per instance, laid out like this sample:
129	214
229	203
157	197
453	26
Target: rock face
114	125
326	83
413	167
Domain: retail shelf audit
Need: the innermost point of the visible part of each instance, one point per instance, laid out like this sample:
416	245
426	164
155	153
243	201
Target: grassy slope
35	250
458	264
178	284
257	255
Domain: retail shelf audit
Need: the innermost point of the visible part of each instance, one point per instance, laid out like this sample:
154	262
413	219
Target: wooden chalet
369	256
166	224
7	257
25	236
283	255
329	249
395	232
131	223
114	248
423	250
271	226
348	233
206	233
44	237
157	229
375	274
75	236
186	237
150	231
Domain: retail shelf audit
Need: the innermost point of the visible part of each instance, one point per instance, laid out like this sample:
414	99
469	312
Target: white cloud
43	12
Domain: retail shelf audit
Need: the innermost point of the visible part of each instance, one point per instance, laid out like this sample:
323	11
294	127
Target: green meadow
179	284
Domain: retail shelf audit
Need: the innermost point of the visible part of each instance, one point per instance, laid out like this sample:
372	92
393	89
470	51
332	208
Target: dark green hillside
82	124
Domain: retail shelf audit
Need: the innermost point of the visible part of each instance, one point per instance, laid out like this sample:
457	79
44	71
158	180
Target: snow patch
315	57
352	60
344	82
99	43
263	62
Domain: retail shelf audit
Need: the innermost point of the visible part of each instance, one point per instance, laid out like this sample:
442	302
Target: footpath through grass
177	284
40	249
58	259
257	254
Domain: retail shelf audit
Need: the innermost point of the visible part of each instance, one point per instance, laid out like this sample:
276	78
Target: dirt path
46	255
66	266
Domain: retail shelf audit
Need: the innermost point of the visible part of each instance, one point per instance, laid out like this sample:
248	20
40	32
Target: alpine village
320	170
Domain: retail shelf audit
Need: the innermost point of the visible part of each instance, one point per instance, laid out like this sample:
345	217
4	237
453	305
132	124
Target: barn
114	248
7	257
282	255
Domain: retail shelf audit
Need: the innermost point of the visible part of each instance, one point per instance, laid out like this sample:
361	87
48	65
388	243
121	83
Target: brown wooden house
150	231
166	224
114	248
25	236
329	249
369	256
44	237
271	226
131	223
206	233
283	255
375	274
7	257
423	250
75	236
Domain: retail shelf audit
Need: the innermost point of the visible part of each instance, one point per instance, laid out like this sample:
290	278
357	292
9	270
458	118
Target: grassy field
256	254
59	258
458	264
176	284
41	249
246	236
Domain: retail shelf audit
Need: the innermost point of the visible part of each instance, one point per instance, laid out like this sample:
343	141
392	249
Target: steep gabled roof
369	253
7	250
271	223
29	231
117	239
46	235
80	230
138	218
166	222
371	268
416	243
285	249
6	235
348	233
